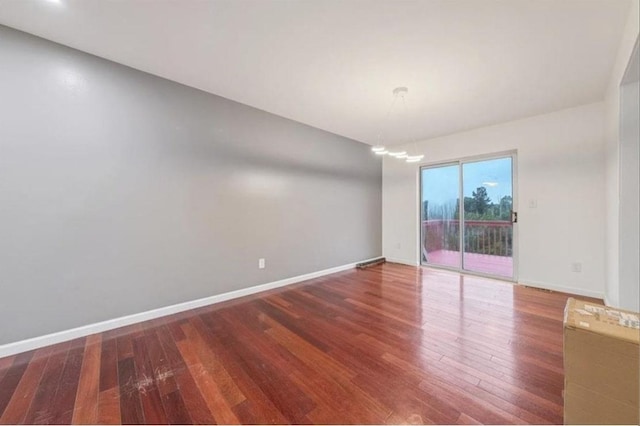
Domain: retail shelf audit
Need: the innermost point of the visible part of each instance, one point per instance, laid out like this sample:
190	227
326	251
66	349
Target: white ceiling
333	64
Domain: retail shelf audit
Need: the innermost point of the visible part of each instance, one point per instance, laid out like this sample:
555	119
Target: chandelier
398	93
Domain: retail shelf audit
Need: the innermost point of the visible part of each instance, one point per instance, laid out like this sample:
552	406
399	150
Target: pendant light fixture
398	93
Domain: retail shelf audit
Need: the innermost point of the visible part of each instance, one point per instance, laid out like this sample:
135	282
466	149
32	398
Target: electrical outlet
261	264
533	203
576	267
398	246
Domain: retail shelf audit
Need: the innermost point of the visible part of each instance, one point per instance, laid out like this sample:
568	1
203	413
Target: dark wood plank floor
389	344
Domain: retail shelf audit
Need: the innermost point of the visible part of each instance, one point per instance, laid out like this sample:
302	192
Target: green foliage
480	201
480	207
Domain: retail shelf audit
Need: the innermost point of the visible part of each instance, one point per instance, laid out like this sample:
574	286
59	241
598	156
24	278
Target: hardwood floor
389	344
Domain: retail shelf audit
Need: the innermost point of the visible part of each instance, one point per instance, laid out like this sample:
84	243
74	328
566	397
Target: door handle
514	217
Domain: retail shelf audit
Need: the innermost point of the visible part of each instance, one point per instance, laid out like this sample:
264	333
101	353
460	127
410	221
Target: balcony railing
492	237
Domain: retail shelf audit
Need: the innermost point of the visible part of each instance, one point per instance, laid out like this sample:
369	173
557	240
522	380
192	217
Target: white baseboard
571	290
99	327
401	261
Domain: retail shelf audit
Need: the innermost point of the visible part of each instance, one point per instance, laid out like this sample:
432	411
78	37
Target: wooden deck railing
493	237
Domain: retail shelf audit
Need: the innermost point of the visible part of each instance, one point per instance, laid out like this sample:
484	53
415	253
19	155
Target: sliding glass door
467	216
440	210
488	204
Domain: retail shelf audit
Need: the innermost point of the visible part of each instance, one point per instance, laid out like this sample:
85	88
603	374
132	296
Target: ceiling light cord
379	148
411	158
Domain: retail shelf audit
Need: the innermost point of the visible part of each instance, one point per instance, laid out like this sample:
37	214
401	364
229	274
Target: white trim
401	261
571	290
99	327
606	301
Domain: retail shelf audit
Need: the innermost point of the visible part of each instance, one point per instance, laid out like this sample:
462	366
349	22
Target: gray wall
122	192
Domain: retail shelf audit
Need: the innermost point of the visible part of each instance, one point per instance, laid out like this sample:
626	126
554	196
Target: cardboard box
601	364
585	406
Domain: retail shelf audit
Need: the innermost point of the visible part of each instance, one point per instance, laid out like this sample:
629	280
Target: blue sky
440	184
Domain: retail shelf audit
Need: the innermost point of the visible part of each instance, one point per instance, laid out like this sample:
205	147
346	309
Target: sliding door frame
513	154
